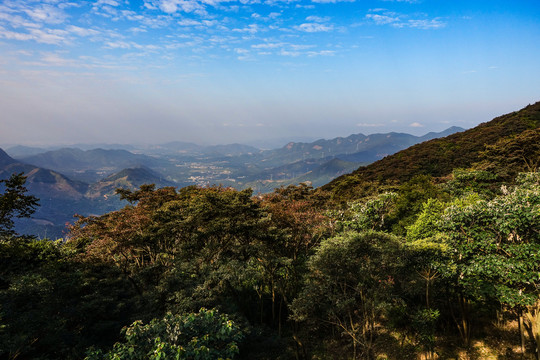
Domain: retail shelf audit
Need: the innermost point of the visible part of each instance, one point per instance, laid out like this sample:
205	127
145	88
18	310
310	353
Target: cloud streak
385	17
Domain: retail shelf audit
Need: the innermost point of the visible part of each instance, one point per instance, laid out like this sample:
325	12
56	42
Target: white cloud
267	46
55	59
47	36
81	31
314	27
118	45
173	6
241	51
289	53
252	29
330	1
46	14
383	17
106	2
301	46
136	30
369	125
422	24
321	53
17	21
189	22
318	18
406	1
416	125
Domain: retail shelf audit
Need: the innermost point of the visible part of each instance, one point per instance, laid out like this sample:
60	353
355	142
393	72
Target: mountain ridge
438	157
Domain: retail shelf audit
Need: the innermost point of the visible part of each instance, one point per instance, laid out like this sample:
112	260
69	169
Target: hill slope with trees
439	157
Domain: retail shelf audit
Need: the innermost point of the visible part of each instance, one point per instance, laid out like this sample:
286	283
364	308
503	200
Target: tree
350	283
496	250
206	335
14	203
369	214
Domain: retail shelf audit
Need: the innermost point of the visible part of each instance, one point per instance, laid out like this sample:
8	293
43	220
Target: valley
83	180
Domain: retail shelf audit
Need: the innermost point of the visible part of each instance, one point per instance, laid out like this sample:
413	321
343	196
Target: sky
224	71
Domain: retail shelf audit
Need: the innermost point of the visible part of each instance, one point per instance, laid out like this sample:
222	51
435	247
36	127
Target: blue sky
222	71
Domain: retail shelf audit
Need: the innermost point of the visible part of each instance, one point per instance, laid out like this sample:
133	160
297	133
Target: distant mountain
368	147
5	159
42	182
103	146
439	157
59	197
444	133
131	178
89	165
288	171
21	151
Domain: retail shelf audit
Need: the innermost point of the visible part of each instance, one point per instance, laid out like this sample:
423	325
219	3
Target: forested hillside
439	157
433	253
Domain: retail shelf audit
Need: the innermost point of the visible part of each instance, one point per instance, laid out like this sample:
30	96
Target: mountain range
73	180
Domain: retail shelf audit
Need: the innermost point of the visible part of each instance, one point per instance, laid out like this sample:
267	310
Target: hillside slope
131	178
440	156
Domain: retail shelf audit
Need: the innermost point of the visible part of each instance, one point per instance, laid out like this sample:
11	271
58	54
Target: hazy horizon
226	71
262	144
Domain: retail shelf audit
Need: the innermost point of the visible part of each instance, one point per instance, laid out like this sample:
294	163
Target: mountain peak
5	159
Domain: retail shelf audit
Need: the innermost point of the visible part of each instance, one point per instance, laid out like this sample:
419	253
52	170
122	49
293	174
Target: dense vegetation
441	264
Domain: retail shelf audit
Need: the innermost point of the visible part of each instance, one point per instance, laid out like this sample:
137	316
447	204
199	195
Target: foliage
511	155
350	284
467	181
496	243
14	203
410	200
426	225
496	248
51	306
369	214
206	335
424	323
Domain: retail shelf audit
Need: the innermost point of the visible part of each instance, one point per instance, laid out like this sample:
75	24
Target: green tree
14	203
369	214
496	250
350	285
410	200
206	335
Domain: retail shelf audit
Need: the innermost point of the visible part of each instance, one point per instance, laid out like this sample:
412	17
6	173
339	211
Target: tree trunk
521	332
533	316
